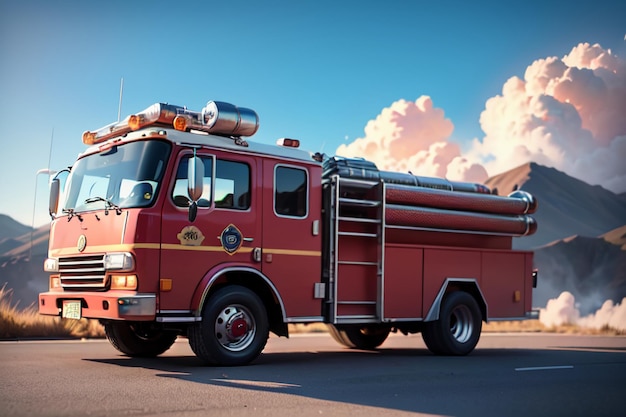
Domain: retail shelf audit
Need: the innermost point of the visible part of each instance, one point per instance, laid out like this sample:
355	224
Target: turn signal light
165	284
55	282
123	282
135	121
180	123
89	138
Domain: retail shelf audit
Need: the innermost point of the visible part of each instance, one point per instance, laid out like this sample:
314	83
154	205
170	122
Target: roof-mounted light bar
217	118
288	143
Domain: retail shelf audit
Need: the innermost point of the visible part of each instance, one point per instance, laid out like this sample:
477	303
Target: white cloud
413	136
567	113
563	310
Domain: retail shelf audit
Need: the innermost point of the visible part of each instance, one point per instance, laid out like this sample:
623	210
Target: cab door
291	229
226	229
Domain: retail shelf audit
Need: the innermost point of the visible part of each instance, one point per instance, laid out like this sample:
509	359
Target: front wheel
138	339
366	337
458	329
234	328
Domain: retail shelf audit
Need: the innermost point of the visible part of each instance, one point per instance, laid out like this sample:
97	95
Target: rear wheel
358	336
138	339
234	328
458	329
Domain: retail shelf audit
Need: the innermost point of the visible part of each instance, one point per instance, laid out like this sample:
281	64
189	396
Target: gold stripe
172	246
293	252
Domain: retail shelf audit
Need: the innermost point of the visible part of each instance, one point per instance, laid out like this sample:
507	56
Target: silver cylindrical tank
228	119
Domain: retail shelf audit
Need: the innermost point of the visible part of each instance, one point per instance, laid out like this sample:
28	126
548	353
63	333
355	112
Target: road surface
311	375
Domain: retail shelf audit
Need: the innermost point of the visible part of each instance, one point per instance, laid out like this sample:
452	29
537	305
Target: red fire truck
172	224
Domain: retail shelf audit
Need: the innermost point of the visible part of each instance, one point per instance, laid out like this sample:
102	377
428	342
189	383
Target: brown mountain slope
616	237
21	268
567	206
9	228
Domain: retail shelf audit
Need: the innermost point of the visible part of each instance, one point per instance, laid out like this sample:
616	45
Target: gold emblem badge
190	236
82	243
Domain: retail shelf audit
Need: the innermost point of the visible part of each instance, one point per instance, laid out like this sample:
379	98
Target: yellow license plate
71	310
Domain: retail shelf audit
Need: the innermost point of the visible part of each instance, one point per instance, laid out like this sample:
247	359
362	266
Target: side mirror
57	187
195	176
55	192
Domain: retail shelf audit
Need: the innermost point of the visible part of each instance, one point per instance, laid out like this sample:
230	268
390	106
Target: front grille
82	272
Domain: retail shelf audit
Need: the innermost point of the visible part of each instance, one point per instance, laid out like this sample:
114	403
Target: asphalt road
507	375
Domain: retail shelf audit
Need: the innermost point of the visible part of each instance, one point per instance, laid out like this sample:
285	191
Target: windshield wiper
108	205
71	213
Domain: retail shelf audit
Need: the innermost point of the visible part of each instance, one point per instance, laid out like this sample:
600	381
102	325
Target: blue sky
318	71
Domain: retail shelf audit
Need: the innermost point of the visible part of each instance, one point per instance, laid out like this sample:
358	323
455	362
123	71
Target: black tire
234	328
138	339
457	331
367	337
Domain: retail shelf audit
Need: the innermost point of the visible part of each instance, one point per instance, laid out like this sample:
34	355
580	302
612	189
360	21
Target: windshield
123	176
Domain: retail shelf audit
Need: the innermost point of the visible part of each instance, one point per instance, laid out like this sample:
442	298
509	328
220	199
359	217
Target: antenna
119	107
41	171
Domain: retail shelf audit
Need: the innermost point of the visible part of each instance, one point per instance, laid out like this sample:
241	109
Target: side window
290	191
180	194
232	185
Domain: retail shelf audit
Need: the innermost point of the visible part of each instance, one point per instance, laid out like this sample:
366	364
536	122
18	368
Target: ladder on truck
356	258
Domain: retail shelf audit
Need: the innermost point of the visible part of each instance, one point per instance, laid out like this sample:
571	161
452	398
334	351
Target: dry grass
535	326
17	323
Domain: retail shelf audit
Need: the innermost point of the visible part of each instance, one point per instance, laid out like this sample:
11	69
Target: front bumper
114	305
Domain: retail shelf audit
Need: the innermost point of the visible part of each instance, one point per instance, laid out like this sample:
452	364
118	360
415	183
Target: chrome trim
433	313
82	271
221	272
381	254
312	319
403	320
124	227
308	190
178	319
467	232
137	305
176	316
319	290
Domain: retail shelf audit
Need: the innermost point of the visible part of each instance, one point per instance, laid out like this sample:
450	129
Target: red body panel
441	264
403	282
186	265
291	251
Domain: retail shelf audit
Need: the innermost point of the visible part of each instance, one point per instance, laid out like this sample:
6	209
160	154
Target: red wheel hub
238	328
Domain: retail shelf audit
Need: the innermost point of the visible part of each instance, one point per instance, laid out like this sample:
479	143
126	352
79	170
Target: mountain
616	237
592	269
567	206
580	244
9	230
21	263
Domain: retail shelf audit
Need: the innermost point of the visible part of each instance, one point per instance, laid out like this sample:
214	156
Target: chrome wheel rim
461	324
235	328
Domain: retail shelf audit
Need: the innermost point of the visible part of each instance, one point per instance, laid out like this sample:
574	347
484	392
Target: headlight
119	261
51	265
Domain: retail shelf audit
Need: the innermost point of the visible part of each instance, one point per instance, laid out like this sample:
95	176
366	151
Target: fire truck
171	223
